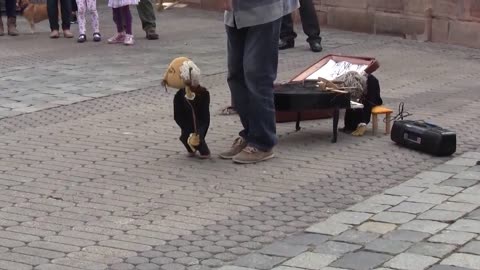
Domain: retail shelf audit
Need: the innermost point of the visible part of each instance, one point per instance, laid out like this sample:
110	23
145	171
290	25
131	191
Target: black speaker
424	137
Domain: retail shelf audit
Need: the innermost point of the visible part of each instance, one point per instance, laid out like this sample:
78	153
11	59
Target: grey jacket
248	13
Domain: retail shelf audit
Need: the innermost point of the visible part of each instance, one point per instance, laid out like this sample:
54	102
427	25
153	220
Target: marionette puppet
191	105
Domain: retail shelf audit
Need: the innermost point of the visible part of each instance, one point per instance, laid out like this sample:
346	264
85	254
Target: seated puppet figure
191	105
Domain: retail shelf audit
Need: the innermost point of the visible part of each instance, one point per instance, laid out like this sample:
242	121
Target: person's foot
97	37
251	154
316	46
54	34
117	38
81	38
129	40
286	44
67	33
151	34
236	148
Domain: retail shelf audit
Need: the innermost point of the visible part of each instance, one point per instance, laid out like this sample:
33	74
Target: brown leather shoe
54	34
12	26
251	154
151	34
67	33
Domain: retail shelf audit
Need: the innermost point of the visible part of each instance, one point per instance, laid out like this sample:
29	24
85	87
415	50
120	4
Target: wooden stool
381	110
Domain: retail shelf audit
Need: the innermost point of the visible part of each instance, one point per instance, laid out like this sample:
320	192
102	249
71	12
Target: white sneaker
118	38
129	40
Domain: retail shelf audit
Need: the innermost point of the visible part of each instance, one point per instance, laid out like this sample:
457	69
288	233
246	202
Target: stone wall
446	21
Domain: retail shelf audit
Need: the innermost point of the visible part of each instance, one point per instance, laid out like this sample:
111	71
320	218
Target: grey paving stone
474	189
336	248
388	246
282	267
409	261
428	198
461	161
470	175
446	267
444	190
450	168
441	215
376	227
432	249
328	228
306	239
356	237
393	217
404	190
462	260
283	250
385	199
170	266
459	182
455	206
406	235
412	207
466	225
426	226
347	217
233	267
466	198
472	247
311	260
369	207
361	260
122	266
452	237
258	261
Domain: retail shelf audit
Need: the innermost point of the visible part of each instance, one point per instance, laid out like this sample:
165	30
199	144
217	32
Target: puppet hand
227	5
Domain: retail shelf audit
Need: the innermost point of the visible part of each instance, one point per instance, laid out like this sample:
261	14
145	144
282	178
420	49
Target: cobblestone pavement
431	221
92	175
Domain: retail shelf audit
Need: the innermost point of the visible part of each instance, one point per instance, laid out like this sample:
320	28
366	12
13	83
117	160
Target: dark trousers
252	70
10	6
74	6
66	10
146	14
309	19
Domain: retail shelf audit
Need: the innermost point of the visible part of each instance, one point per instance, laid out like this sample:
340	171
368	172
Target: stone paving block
450	168
369	207
282	267
393	217
412	207
462	161
454	182
452	237
311	260
470	175
428	198
455	206
465	225
388	246
14	265
336	248
474	215
233	267
466	198
409	261
328	228
406	235
283	250
463	260
376	227
432	249
348	217
446	267
258	261
473	189
441	215
306	239
356	237
361	260
472	247
426	226
444	190
471	154
404	190
385	199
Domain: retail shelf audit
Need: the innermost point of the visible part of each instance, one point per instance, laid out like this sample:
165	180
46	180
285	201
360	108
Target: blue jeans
252	70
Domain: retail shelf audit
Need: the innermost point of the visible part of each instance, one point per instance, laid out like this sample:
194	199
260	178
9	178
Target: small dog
34	13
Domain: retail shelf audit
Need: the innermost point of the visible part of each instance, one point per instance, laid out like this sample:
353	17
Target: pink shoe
129	40
118	38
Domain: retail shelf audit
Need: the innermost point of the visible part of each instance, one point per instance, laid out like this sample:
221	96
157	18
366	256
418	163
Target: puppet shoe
236	148
251	154
360	131
191	154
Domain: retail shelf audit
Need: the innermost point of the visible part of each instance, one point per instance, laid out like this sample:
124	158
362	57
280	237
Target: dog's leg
32	27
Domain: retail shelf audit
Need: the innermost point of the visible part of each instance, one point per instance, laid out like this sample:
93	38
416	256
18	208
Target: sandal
229	110
81	38
97	37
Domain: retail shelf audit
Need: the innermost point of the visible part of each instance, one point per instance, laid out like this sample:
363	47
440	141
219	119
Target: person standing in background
147	16
66	10
10	8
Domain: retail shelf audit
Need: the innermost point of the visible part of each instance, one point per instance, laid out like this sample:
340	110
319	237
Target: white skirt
121	3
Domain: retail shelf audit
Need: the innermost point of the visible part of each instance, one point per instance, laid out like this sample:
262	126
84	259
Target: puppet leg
203	149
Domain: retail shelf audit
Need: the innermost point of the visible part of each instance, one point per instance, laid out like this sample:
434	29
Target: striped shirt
248	13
